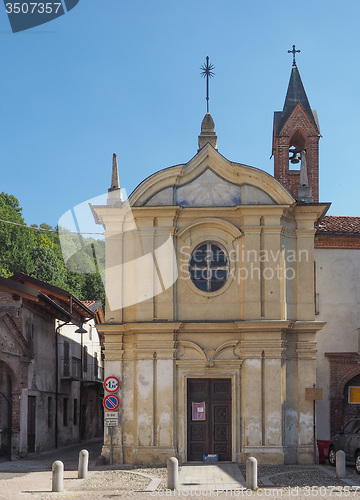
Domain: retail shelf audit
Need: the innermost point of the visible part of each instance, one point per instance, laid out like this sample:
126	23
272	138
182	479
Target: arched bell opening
296	145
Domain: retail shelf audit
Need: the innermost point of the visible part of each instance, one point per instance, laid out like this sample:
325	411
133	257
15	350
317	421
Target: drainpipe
57	380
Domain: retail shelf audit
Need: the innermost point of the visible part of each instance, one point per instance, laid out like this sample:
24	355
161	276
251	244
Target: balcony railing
72	368
72	371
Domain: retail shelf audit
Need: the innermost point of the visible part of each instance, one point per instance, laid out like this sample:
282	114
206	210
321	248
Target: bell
295	158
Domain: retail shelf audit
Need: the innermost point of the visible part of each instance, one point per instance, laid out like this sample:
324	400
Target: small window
96	365
75	411
49	411
85	360
65	412
66	358
29	328
208	267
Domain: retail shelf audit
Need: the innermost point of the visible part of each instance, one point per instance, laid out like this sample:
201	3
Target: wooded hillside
36	251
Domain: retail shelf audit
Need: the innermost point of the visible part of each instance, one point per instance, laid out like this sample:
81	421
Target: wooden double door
209	418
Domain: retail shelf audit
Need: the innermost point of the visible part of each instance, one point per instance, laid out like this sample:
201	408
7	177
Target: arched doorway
5	411
344	372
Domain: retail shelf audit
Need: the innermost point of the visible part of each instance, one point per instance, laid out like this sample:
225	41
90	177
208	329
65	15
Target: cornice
211	327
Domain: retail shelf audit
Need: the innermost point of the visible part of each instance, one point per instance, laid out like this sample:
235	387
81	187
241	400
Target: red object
111	384
111	402
323	446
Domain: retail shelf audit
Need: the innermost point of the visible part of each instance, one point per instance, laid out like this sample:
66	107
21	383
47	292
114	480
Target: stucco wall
42	367
41	381
90	340
84	402
338	286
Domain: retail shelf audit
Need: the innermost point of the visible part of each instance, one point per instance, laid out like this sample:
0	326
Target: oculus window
208	267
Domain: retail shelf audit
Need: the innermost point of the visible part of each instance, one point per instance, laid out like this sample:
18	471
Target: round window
208	267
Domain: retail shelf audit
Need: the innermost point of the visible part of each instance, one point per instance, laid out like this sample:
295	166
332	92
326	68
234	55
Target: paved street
218	477
44	461
27	477
31	479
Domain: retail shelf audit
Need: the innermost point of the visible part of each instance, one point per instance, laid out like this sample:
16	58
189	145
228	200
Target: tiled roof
88	303
64	299
96	307
339	224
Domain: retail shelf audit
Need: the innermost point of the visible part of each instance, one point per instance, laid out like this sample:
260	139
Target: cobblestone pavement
31	479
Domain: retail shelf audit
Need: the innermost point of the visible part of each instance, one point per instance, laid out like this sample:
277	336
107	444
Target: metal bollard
83	464
172	474
251	473
57	476
340	464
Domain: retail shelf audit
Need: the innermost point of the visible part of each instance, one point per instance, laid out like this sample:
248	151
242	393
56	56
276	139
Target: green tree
15	240
46	266
37	251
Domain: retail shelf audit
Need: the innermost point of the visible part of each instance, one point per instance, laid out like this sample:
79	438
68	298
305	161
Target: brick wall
13	306
344	366
8	298
15	411
16	366
350	411
337	241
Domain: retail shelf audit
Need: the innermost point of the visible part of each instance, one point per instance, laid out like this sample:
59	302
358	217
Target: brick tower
296	129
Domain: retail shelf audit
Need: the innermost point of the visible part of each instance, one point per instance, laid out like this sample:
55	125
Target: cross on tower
293	52
208	73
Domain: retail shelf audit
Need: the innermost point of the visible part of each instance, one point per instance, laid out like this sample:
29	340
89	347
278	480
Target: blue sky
123	76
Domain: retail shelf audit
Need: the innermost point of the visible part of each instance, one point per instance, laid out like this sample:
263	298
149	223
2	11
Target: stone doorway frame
211	399
189	370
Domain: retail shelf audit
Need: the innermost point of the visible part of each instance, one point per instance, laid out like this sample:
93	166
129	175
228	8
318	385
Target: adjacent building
50	367
337	257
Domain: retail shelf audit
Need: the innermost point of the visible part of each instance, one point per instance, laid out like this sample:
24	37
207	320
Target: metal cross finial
293	52
207	71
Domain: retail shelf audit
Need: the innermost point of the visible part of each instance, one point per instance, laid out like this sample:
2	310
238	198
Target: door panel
212	435
198	430
221	429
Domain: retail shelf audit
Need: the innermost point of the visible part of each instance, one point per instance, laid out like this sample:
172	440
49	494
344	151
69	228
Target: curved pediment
210	180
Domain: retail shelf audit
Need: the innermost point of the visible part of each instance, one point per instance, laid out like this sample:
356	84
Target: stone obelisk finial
114	192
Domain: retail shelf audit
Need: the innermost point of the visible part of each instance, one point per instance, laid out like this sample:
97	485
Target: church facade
210	319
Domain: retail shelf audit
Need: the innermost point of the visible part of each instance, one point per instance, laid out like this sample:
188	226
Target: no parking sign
111	402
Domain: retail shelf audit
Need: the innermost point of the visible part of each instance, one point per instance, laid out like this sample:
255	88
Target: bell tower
296	134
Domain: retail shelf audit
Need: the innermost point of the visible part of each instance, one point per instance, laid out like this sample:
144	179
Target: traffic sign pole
111	445
111	404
